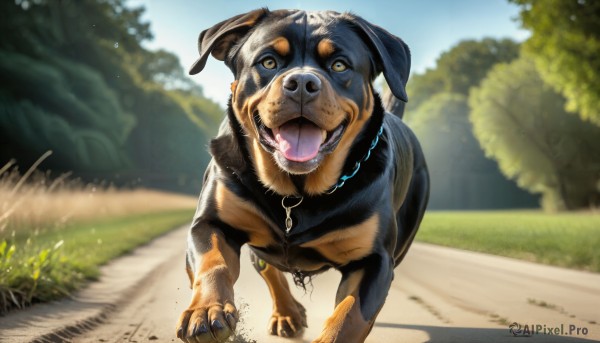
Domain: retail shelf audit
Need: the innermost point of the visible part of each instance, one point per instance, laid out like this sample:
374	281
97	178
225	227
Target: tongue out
299	141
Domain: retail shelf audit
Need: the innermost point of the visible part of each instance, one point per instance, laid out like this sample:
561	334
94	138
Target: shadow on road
445	334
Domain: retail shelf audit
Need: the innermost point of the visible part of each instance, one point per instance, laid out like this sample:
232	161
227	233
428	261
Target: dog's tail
393	104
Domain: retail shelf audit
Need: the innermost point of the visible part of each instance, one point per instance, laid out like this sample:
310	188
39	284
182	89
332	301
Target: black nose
302	87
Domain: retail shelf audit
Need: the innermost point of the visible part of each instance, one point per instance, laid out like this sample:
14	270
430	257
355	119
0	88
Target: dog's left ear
393	53
221	37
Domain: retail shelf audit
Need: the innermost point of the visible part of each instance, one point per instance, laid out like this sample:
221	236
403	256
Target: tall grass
55	232
33	201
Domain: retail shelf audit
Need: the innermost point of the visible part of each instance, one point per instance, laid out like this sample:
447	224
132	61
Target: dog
307	168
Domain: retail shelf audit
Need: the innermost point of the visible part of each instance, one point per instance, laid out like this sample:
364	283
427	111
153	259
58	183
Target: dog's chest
311	243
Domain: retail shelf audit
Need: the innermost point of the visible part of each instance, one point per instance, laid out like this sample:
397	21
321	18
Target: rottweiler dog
308	169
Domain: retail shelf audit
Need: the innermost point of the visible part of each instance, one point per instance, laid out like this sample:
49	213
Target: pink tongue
299	142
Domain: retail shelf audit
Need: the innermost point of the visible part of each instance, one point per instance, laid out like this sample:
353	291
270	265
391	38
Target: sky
429	27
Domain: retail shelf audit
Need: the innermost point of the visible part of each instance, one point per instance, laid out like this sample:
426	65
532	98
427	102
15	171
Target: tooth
324	134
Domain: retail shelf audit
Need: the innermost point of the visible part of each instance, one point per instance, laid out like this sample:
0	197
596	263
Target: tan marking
330	169
334	324
281	45
190	274
285	307
349	244
212	258
325	48
253	17
269	172
234	87
369	104
347	324
216	272
242	215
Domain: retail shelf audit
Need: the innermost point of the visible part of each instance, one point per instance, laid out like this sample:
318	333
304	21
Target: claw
217	324
291	324
231	321
203	329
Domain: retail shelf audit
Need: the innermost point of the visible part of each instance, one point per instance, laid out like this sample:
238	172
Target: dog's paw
207	324
288	321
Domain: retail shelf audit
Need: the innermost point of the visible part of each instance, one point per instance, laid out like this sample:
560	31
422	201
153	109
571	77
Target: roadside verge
61	320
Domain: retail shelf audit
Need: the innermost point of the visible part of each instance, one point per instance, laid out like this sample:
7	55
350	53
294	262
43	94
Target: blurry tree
78	81
461	176
565	43
460	68
521	123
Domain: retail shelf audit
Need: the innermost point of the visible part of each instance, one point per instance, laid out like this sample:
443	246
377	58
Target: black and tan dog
308	170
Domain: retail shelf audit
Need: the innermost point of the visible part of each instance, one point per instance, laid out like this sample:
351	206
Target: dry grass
49	226
34	202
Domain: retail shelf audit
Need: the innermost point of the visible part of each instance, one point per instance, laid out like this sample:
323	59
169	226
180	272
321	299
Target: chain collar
356	168
298	199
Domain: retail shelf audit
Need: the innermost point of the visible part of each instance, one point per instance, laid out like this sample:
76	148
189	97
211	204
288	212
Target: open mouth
299	140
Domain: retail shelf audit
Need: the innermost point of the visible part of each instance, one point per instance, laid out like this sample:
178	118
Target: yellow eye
339	66
269	63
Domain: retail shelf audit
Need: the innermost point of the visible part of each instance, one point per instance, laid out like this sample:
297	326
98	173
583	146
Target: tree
460	68
78	81
461	176
437	109
565	42
521	123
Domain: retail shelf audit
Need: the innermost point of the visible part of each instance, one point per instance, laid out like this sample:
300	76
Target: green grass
569	240
50	263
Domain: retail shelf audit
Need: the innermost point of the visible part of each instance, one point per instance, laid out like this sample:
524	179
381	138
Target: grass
569	240
52	264
55	233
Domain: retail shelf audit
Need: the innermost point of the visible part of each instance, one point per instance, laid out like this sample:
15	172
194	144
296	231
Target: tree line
77	81
503	124
510	125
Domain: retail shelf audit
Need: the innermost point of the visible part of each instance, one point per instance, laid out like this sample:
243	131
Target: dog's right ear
220	38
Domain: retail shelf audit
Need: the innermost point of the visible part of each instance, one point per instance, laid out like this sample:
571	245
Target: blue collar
356	168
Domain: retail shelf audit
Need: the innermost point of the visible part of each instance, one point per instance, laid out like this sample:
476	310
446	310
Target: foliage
437	110
461	176
459	69
521	123
48	226
51	264
79	82
565	42
563	239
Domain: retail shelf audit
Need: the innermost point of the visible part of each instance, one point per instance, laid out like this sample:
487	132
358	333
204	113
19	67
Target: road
438	295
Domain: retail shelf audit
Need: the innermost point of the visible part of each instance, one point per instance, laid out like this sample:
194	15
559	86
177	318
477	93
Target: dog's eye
269	63
339	66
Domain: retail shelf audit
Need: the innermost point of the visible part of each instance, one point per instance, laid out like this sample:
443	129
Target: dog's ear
220	38
393	54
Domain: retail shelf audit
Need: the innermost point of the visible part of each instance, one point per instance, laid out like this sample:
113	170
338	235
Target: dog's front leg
360	296
215	264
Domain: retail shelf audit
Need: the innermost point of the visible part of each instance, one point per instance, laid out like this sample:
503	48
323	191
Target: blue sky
429	27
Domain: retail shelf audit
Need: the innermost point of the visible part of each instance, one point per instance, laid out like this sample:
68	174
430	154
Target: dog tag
289	223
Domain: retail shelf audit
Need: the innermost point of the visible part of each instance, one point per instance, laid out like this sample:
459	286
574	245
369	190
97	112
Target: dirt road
439	295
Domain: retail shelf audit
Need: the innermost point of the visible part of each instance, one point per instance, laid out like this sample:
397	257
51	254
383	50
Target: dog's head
302	91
